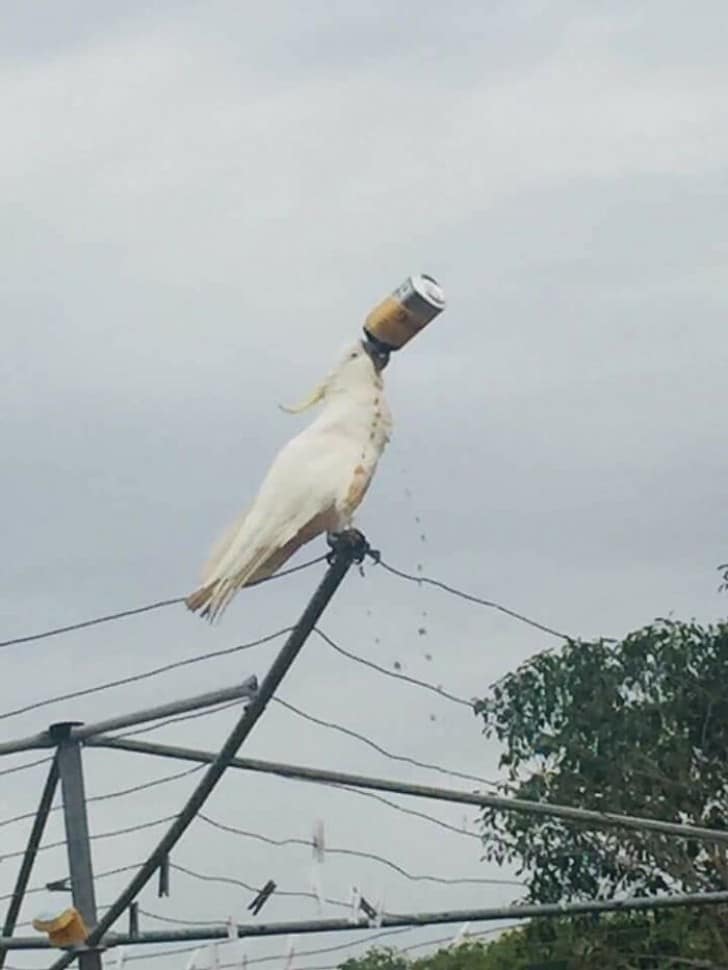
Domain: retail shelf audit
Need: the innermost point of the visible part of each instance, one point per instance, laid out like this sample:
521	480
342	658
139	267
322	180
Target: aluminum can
406	311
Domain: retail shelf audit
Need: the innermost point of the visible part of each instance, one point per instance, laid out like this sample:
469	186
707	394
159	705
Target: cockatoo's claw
352	540
373	554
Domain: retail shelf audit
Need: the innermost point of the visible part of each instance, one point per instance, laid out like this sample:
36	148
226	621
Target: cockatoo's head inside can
409	309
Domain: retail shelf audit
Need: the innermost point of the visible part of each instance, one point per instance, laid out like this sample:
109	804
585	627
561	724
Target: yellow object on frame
65	929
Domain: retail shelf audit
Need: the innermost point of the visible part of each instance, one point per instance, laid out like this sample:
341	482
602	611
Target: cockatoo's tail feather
314	485
217	593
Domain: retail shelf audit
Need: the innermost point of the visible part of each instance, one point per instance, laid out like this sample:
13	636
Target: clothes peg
368	910
355	905
59	885
163	889
462	935
379	912
319	853
318	841
289	953
192	963
262	898
134	918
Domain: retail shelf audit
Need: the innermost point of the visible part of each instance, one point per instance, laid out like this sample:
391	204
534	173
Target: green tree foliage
639	728
667	940
378	958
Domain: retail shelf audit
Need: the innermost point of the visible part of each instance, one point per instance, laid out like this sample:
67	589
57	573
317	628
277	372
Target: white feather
314	484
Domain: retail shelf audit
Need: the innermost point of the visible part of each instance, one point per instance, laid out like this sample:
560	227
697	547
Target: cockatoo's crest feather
355	352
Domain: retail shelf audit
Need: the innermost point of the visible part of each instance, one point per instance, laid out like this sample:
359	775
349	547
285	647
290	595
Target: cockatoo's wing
296	502
221	547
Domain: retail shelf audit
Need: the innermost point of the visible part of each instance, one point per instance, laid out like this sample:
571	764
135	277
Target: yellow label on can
392	323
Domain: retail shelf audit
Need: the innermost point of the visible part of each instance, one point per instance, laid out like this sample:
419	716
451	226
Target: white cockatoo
315	484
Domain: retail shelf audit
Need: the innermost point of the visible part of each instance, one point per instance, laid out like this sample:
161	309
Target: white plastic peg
192	963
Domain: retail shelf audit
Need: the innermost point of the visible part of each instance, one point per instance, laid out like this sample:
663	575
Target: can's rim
428	288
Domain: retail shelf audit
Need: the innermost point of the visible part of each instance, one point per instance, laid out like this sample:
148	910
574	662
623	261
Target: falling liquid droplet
422	631
397	665
428	656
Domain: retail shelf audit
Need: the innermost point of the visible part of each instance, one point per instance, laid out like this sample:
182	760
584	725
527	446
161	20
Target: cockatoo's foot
350	539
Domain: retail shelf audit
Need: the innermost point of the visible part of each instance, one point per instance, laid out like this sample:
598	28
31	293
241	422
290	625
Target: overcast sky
201	202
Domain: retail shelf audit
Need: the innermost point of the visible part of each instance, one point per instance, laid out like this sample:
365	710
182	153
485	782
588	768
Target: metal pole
77	840
247	689
26	866
26	744
348	547
546	809
80	733
490	914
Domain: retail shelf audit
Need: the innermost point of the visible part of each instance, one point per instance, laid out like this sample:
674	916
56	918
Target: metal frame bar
78	844
81	732
482	800
488	914
247	689
26	866
348	547
31	743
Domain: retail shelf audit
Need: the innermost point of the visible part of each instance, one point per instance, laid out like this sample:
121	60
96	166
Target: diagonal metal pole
348	547
26	866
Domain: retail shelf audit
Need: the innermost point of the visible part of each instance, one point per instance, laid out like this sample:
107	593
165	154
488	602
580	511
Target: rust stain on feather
358	488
